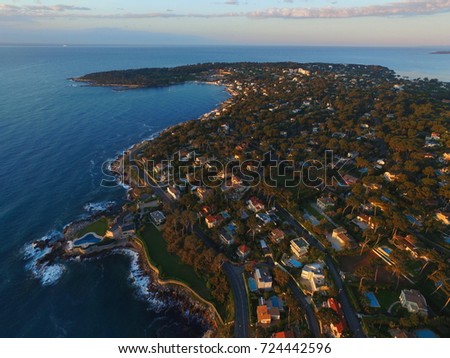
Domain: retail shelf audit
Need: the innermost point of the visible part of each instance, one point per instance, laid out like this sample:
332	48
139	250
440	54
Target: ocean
54	137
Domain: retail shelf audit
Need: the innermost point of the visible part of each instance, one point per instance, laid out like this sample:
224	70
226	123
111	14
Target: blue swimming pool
86	240
252	284
387	250
373	302
425	333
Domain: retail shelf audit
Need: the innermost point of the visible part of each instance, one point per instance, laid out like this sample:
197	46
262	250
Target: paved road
349	312
241	320
311	318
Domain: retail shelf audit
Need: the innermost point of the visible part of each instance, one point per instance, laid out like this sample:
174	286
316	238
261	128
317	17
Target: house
128	231
299	247
203	193
226	237
265	218
414	302
243	251
158	217
314	276
391	177
174	192
263	315
366	220
255	205
443	217
341	235
263	279
213	221
350	179
277	235
275	302
325	203
406	243
337	330
284	334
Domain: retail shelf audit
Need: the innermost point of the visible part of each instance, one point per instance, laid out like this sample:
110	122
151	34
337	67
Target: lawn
387	298
170	265
99	227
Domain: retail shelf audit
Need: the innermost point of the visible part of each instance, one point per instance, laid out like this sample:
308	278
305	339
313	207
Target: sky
227	22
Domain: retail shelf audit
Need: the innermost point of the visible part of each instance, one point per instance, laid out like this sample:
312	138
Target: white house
414	302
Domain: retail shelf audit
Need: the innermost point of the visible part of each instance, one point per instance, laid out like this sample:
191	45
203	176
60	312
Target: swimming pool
386	249
87	240
373	302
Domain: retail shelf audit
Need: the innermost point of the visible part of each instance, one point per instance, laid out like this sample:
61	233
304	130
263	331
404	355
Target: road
241	318
311	318
349	312
233	273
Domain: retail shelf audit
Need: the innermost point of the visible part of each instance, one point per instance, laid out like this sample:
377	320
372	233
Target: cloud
37	10
403	8
231	2
399	8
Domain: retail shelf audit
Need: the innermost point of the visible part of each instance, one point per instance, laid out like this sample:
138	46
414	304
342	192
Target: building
213	221
255	205
158	217
243	251
227	237
350	179
390	176
314	275
284	334
366	220
337	330
263	315
277	235
340	234
263	279
443	217
203	193
174	192
325	203
265	218
299	247
414	302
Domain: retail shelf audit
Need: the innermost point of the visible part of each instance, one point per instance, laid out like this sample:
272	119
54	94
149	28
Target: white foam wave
99	207
141	281
48	274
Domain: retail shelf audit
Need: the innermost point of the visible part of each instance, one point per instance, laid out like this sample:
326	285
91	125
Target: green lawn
99	227
387	298
170	265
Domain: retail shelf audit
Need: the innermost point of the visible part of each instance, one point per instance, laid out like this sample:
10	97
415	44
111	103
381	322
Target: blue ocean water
54	137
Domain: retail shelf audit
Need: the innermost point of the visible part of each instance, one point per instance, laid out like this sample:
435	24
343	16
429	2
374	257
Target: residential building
203	193
213	221
284	334
158	217
443	217
263	279
174	192
390	176
299	247
337	330
367	220
255	205
263	315
325	202
341	235
414	302
227	236
265	218
314	275
243	251
277	235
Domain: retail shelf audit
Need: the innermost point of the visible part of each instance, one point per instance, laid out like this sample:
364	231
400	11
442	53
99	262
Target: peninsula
314	202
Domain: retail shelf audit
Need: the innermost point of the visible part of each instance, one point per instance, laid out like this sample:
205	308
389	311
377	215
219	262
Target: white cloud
399	8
